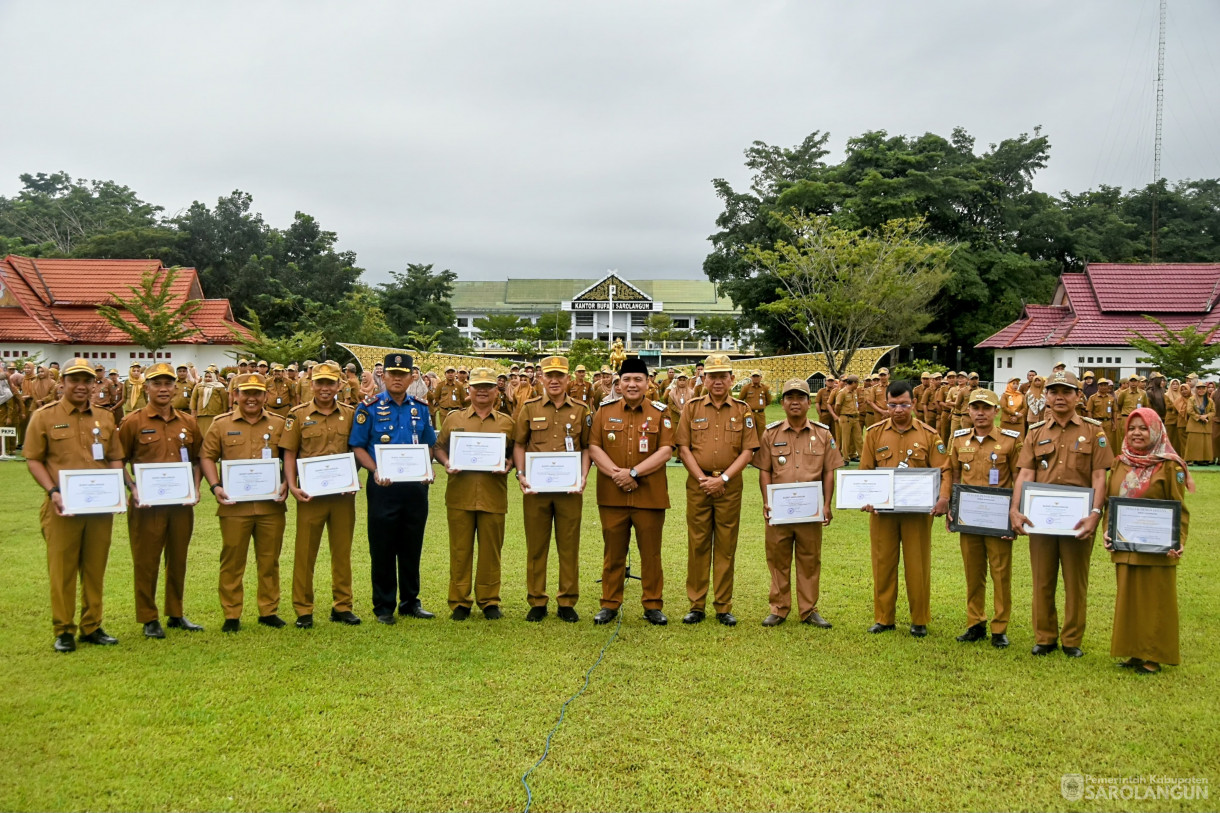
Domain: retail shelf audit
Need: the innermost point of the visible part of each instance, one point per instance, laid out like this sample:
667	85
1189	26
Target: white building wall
121	357
1010	363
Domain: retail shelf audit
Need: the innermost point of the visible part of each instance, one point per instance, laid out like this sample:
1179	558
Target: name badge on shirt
643	443
567	443
98	452
993	477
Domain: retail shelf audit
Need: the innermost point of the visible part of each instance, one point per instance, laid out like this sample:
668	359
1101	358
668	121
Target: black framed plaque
1145	526
982	510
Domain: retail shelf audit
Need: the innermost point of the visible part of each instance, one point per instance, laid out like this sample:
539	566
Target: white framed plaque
327	474
549	472
796	503
855	489
251	480
164	484
93	491
915	490
477	451
1054	510
403	462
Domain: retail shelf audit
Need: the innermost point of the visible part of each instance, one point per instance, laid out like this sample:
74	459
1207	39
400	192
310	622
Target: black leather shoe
1131	663
1073	652
274	621
919	630
568	614
1043	649
728	619
152	629
536	614
693	617
231	625
345	617
604	616
65	643
816	620
305	622
999	640
183	623
99	637
388	619
773	620
976	633
876	628
416	611
656	617
459	613
492	612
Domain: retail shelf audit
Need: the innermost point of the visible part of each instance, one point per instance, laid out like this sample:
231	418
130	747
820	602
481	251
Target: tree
356	319
424	342
589	352
715	328
501	328
301	345
842	288
554	326
419	300
1178	353
657	328
62	211
151	319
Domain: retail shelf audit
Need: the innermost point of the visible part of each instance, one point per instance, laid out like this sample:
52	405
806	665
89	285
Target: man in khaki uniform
249	432
319	428
557	422
73	434
944	400
917	393
1101	408
476	503
716	440
963	395
280	398
1128	400
1068	450
983	455
103	388
631	441
183	388
796	450
825	402
160	433
449	396
579	388
847	408
757	395
901	441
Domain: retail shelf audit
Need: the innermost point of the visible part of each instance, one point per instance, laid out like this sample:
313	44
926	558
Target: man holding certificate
160	433
900	441
320	428
70	434
985	456
1066	450
557	423
477	500
796	450
249	432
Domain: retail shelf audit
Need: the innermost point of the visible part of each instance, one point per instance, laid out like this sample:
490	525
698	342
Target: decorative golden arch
368	355
778	369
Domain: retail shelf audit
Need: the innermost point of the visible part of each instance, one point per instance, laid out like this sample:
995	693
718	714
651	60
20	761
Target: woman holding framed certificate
1146	605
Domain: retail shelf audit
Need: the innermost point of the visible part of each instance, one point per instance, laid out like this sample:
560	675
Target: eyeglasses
900	406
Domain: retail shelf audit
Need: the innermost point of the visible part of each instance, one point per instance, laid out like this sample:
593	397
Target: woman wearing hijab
1200	414
678	396
1174	416
1146	604
209	399
1035	400
1012	408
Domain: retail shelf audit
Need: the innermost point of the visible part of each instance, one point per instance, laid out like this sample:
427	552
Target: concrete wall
121	357
1119	361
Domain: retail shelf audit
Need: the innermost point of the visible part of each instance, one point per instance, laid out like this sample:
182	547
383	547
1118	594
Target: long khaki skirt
1146	614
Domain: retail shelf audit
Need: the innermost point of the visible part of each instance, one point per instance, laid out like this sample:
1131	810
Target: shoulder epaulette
774	424
1012	433
875	425
961	433
660	406
532	400
607	401
300	406
818	423
1035	425
741	401
1093	421
223	415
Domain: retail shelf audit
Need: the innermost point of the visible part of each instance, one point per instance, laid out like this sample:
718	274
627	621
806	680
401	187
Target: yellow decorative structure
368	355
778	369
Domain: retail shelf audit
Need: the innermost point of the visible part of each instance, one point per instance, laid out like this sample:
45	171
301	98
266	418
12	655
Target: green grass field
445	716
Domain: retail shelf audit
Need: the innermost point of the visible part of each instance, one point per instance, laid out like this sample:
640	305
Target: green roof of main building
520	295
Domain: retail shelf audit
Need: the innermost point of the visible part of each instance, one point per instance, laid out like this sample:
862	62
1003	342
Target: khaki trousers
1045	555
76	546
155	531
909	537
267	530
649	524
711	543
978	554
542	512
760	422
464	526
943	425
851	436
804	542
336	514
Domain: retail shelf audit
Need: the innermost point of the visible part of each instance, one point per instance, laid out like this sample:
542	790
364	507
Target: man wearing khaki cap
580	388
847	408
757	395
448	396
280	397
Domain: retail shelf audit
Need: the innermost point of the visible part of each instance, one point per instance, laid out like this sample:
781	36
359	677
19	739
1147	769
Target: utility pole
1160	110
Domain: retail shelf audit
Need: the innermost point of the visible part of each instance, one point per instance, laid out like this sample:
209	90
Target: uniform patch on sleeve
288	424
1101	441
669	425
749	423
1181	476
361	417
940	447
589	420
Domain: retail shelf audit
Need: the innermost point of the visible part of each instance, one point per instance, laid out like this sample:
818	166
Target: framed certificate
980	510
1054	510
477	451
250	480
855	488
1145	526
552	471
327	474
796	503
165	483
403	462
915	491
93	491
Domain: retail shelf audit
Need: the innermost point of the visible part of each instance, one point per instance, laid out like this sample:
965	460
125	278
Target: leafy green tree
589	352
57	209
554	326
501	328
911	371
424	342
420	300
152	320
657	328
300	345
715	328
356	319
1177	353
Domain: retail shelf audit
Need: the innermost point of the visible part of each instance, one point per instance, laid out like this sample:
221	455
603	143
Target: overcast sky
521	138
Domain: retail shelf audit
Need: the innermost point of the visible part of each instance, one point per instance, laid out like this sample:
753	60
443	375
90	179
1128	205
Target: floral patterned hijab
1143	465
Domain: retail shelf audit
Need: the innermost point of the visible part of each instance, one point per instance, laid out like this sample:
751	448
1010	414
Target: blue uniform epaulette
961	432
1035	425
774	424
1012	433
1093	421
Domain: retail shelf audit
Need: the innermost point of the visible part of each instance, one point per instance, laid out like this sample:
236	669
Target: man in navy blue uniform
397	511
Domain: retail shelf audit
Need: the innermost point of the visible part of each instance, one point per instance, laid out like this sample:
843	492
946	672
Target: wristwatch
1095	511
634	474
724	477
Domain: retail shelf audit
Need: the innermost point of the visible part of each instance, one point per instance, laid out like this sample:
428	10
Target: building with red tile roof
1092	315
48	308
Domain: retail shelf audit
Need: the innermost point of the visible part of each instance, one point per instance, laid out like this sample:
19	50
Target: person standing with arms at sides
1130	400
209	399
866	404
1146	604
942	406
1035	401
1175	415
580	388
73	434
133	390
160	433
796	450
182	390
820	401
1100	407
557	422
757	395
503	402
398	512
716	440
984	455
279	392
923	404
1012	408
318	428
449	396
476	503
631	441
847	408
963	395
1067	450
1200	415
249	432
901	441
103	390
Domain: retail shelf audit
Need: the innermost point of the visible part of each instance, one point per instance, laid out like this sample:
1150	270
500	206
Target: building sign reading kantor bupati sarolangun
626	297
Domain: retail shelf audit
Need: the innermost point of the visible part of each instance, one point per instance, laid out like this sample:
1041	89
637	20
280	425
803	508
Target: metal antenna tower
1160	111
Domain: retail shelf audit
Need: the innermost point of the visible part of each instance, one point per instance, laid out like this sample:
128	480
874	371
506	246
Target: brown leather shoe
774	620
816	619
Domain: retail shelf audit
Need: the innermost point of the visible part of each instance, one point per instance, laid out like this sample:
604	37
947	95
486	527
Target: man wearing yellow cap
73	434
279	392
182	390
449	396
579	387
757	394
